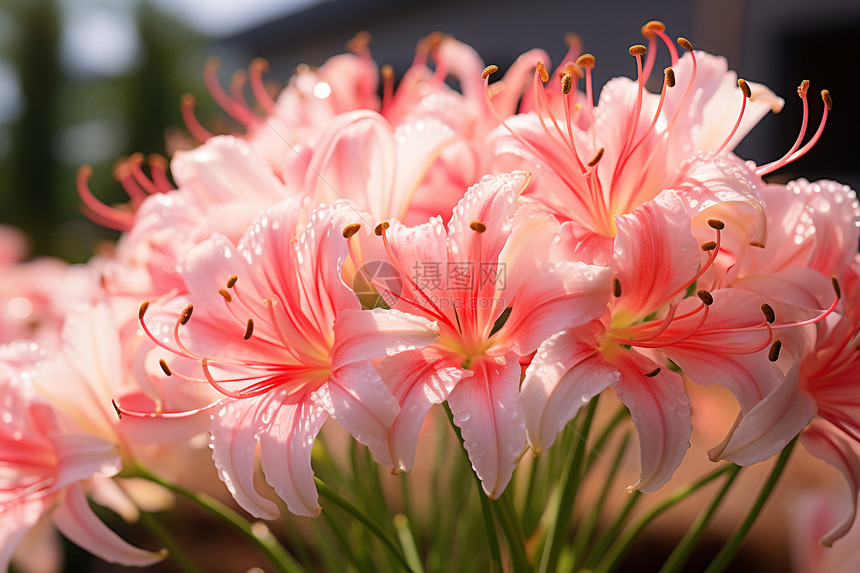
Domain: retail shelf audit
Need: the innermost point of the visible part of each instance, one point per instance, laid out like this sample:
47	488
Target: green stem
569	482
486	509
407	541
586	530
357	513
620	548
267	543
685	547
177	554
727	553
513	532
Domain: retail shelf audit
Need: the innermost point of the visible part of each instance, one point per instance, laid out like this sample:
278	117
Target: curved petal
828	444
770	425
16	520
660	409
364	334
417	379
285	453
563	376
234	432
356	397
485	410
76	520
655	255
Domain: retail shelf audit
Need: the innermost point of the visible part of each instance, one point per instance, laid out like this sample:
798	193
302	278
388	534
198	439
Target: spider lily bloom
819	394
713	336
489	283
45	466
605	160
286	345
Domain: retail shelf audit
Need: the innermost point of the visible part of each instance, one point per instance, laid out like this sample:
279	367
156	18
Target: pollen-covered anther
685	43
186	314
716	224
358	42
143	306
773	353
226	295
231	282
705	297
756	244
387	72
769	315
164	367
351	230
670	77
381	228
572	40
637	50
477	226
116	409
802	89
249	329
709	246
597	158
541	69
616	287
828	101
585	61
566	83
653	373
488	71
836	287
745	87
652	27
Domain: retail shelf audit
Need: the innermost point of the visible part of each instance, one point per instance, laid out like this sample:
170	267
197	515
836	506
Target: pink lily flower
489	283
298	350
45	468
715	338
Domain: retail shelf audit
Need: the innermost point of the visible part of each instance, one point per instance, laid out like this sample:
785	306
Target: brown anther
685	43
231	282
705	297
652	27
351	230
116	409
773	353
261	64
358	42
566	83
489	70
572	69
227	296
597	158
769	315
571	40
477	226
164	367
716	224
616	287
541	69
828	101
757	245
187	100
745	87
433	39
381	228
143	306
836	288
185	316
802	89
387	72
585	61
653	373
709	246
670	77
638	50
249	329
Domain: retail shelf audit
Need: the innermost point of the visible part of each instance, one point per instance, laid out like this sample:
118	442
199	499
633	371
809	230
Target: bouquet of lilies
511	252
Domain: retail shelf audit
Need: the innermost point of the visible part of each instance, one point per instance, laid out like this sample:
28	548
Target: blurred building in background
87	81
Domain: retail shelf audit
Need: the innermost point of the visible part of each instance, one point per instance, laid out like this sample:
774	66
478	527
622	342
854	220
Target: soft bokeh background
88	81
